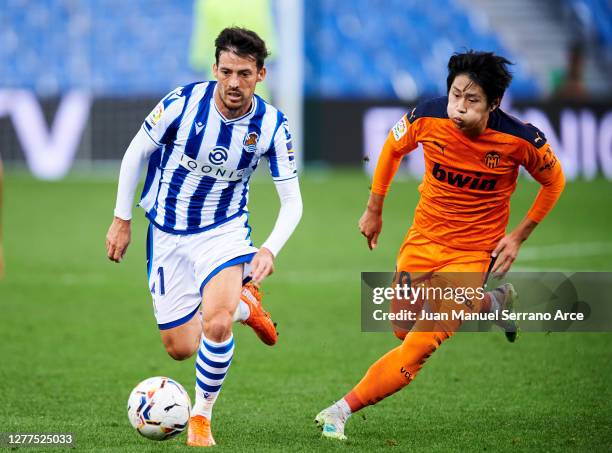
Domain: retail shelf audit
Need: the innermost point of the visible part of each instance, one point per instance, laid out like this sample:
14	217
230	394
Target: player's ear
494	104
261	74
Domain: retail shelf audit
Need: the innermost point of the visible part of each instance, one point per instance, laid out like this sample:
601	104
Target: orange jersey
465	194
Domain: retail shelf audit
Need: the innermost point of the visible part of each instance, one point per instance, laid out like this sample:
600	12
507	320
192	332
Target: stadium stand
109	47
596	15
368	48
354	48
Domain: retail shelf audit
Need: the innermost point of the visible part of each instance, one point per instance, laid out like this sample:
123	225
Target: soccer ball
159	408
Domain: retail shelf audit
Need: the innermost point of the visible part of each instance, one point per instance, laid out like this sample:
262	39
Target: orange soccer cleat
259	320
198	433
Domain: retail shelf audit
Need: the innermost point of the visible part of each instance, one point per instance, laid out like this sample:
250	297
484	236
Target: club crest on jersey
218	155
491	159
250	142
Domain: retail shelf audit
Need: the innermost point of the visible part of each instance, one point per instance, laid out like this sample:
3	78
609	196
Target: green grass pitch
77	332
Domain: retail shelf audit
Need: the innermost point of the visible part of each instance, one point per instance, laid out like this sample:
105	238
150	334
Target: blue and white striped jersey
199	176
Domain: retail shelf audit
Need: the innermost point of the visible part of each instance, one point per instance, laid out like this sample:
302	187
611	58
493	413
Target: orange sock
395	370
485	305
398	367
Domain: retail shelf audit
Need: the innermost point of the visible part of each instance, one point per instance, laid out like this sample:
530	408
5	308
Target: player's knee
179	349
218	327
178	352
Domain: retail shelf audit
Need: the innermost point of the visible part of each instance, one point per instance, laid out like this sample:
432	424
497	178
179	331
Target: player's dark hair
486	69
244	43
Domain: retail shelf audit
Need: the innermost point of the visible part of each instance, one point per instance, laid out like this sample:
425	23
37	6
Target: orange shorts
422	261
420	254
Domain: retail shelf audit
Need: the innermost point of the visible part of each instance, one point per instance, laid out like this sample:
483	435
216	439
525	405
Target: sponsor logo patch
476	181
549	160
399	130
247	294
213	170
407	374
218	155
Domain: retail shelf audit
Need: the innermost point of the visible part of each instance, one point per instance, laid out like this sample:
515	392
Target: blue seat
353	48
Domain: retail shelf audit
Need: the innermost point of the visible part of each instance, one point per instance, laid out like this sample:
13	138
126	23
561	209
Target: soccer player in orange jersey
473	151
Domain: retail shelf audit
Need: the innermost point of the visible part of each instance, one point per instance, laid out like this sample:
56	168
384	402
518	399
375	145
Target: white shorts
179	266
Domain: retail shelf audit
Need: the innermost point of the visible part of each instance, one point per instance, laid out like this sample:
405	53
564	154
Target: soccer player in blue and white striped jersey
202	143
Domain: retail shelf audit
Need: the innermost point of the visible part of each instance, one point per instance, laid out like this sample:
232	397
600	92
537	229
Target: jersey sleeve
139	151
543	165
163	115
281	155
402	139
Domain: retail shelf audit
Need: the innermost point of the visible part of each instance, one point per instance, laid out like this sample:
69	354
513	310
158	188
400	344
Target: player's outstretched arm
119	233
288	218
401	140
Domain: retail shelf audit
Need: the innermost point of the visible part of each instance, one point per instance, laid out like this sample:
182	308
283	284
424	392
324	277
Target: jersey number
162	285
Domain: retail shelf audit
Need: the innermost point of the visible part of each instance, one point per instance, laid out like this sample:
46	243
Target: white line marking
569	250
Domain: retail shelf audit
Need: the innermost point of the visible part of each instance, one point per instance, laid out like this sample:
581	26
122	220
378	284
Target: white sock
495	305
343	409
242	312
212	362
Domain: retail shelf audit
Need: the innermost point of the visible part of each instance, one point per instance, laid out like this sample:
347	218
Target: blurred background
77	77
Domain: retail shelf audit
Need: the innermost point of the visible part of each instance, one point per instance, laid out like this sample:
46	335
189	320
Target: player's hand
370	225
506	252
118	238
262	265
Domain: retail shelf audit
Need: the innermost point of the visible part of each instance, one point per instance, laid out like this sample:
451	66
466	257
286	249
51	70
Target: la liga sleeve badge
156	114
399	130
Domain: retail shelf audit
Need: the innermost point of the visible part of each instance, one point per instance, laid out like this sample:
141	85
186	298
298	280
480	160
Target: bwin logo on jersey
218	155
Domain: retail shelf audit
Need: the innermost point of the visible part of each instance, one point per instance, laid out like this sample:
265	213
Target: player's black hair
243	42
488	70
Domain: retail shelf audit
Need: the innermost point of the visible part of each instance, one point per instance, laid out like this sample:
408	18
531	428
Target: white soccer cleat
331	423
507	297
